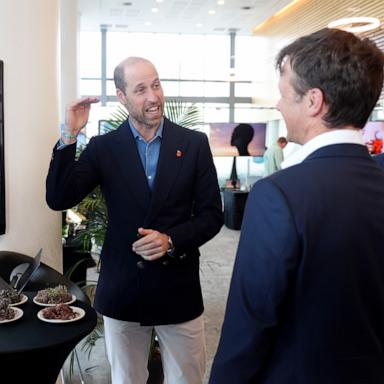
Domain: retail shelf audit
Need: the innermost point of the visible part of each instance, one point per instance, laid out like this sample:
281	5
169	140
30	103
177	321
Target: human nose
152	94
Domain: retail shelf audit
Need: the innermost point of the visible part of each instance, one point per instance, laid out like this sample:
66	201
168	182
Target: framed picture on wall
2	181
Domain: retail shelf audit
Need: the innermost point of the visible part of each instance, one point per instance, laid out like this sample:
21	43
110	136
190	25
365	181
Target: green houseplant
93	207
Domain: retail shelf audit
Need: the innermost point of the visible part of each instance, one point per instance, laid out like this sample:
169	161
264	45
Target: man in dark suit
163	199
306	302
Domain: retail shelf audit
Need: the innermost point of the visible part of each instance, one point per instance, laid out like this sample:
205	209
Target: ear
121	96
315	101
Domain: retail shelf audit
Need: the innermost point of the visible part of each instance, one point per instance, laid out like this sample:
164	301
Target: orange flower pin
179	153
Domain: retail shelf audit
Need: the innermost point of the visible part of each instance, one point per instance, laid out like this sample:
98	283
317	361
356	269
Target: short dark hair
348	70
282	140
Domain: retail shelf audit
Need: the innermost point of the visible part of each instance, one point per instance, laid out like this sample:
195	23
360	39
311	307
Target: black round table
34	351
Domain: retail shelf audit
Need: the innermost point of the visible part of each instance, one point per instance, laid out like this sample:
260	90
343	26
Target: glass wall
194	68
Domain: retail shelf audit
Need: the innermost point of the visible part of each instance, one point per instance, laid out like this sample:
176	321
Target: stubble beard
148	123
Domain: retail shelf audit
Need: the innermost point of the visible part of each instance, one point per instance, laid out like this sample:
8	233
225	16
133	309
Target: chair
43	277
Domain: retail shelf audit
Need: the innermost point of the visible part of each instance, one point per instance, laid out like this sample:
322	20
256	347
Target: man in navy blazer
161	190
306	301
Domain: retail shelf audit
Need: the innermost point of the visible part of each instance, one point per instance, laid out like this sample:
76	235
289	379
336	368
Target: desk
234	204
33	351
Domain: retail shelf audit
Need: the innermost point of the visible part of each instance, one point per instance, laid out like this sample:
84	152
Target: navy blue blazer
185	204
306	301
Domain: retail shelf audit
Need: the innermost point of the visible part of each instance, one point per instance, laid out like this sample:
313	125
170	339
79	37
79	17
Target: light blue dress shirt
148	152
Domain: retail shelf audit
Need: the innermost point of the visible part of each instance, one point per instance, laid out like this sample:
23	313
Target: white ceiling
177	16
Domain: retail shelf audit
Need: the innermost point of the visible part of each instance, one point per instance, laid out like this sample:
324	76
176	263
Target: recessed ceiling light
198	25
356	24
155	10
221	2
148	23
211	11
159	1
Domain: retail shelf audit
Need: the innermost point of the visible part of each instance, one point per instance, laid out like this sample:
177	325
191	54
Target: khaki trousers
182	348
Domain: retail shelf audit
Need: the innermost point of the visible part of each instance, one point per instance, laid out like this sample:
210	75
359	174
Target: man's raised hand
76	118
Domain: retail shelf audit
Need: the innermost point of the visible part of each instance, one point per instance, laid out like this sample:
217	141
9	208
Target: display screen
237	139
2	181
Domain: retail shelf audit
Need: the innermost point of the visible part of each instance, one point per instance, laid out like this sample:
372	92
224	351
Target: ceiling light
211	11
221	2
148	23
159	1
198	25
155	10
356	24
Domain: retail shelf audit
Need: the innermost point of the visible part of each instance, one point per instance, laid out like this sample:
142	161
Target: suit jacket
185	204
306	302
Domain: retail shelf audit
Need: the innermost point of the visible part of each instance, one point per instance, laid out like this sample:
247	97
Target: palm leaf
182	113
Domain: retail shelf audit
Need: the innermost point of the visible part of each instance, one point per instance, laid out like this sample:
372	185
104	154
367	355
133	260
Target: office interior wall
28	47
68	53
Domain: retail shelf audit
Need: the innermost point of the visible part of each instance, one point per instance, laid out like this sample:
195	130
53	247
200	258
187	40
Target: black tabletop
29	333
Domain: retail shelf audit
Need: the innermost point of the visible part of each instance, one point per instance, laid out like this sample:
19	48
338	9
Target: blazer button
140	264
183	256
165	263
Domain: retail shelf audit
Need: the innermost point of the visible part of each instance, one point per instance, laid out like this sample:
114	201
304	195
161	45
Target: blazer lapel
131	168
172	151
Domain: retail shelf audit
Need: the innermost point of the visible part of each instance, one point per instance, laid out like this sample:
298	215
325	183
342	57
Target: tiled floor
217	258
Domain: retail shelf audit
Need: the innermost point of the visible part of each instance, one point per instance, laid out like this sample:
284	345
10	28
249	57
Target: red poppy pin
179	153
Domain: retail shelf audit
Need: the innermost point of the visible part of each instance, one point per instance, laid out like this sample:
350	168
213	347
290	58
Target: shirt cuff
62	145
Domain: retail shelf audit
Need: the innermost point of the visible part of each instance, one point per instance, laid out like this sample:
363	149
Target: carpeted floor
217	257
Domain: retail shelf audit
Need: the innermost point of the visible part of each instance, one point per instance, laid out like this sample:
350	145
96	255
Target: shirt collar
337	136
136	134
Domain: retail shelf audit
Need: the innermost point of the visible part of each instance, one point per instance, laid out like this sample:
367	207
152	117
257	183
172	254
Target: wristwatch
171	247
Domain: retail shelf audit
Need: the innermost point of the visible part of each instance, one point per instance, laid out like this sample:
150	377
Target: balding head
119	74
138	88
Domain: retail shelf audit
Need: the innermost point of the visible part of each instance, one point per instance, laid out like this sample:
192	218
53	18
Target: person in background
163	199
274	156
379	159
306	301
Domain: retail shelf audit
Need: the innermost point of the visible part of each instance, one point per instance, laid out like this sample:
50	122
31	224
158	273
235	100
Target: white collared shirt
337	136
